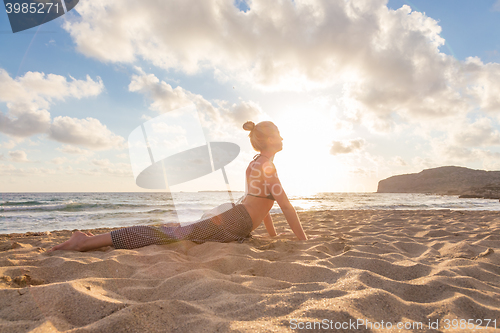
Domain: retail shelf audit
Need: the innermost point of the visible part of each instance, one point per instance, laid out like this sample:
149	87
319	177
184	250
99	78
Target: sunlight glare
305	165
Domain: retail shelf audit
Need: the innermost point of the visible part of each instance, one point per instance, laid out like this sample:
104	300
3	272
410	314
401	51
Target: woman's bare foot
80	241
74	243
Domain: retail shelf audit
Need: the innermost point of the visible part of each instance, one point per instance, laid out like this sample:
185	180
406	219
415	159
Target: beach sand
364	266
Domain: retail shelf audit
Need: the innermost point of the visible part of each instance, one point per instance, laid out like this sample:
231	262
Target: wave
68	207
20	203
40	206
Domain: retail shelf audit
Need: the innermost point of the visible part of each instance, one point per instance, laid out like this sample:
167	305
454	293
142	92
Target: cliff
445	180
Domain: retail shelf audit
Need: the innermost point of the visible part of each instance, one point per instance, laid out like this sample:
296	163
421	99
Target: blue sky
361	90
468	27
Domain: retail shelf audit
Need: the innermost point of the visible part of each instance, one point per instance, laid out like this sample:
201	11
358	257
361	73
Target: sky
360	90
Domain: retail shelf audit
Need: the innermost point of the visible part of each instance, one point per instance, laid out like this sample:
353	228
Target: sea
35	212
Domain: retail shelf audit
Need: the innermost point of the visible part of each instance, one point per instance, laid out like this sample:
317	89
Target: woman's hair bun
248	126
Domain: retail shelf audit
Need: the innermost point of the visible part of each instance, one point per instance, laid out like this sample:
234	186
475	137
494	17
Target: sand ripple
390	266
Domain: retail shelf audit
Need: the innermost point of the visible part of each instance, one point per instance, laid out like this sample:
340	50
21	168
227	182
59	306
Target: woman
263	188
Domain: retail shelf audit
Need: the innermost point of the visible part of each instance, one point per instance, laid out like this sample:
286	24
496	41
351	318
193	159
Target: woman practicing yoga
262	188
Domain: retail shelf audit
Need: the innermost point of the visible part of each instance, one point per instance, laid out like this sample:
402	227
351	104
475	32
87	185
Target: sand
364	268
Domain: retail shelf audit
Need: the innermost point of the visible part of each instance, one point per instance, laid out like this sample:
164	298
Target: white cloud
118	170
92	172
67	169
479	133
40	87
347	147
29	97
164	98
397	161
87	132
485	86
109	169
59	160
33	143
7	169
240	113
461	142
102	163
496	6
388	60
449	151
24	120
9	144
161	127
18	156
12	170
74	150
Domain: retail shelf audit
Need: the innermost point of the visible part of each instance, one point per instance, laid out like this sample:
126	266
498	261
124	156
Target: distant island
449	180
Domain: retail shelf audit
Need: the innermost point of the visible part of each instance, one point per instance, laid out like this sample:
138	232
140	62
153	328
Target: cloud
101	163
118	170
269	44
347	147
10	144
462	142
398	161
66	169
7	169
496	6
450	154
59	160
485	83
41	87
92	172
18	156
29	97
449	151
388	60
165	98
87	132
74	150
240	113
27	121
479	133
109	169
124	155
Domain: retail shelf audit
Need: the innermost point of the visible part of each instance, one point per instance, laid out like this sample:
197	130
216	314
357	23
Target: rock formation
450	180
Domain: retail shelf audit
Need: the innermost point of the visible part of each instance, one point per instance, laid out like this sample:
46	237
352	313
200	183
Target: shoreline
415	265
39	233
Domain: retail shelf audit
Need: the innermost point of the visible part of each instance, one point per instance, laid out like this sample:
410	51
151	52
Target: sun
305	165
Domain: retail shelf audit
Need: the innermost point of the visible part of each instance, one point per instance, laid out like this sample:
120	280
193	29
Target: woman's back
258	197
257	174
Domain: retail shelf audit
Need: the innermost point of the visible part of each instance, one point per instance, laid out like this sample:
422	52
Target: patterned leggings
234	224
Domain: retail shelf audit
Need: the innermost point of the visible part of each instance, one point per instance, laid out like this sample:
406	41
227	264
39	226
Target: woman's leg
80	241
233	224
143	235
124	238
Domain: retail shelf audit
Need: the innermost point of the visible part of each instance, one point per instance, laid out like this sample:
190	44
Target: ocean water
23	212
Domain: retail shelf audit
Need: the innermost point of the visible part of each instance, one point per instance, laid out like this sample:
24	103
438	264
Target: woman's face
276	141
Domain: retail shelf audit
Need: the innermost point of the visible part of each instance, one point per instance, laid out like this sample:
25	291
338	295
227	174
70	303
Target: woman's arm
268	222
274	186
293	219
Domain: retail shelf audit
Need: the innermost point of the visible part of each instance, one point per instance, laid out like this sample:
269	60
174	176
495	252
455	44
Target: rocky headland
449	180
